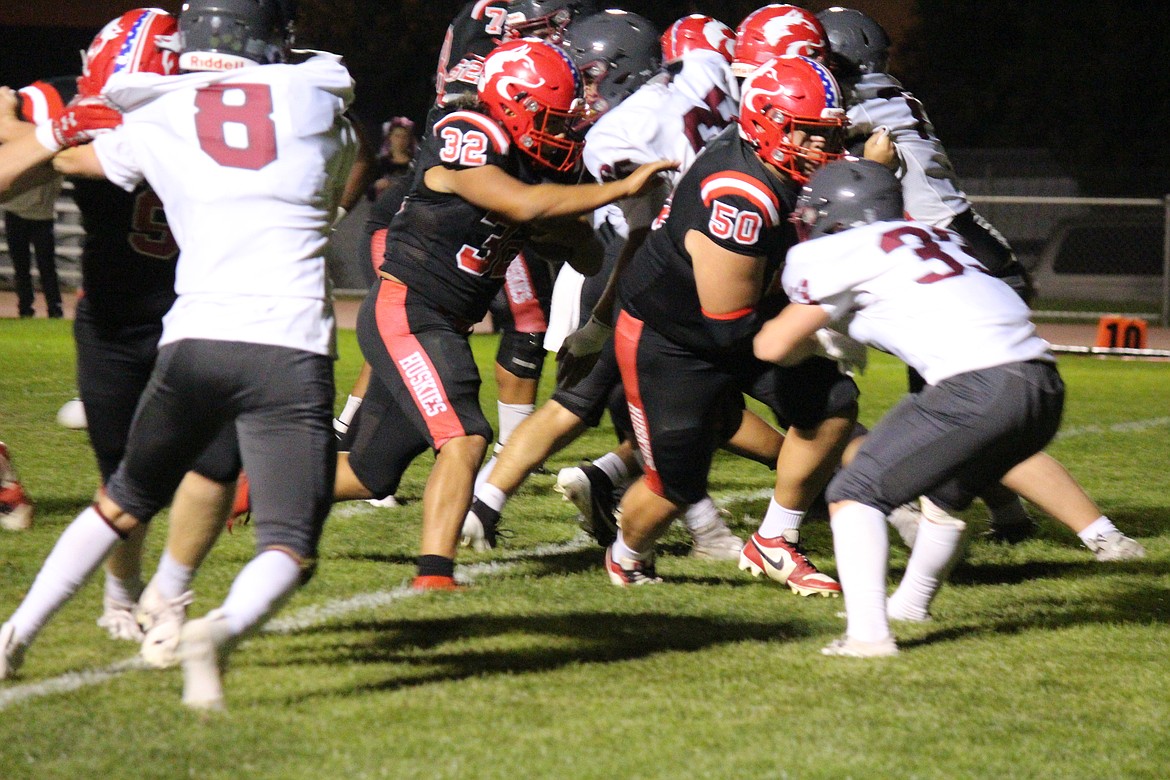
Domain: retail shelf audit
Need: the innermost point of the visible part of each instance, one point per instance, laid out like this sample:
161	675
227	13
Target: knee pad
521	354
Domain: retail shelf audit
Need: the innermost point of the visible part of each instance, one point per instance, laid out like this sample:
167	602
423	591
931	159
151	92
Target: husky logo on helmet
497	68
140	40
697	32
777	31
792	30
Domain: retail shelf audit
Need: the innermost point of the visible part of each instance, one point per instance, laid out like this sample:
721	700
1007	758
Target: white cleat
1115	546
715	542
118	619
847	647
203	647
161	620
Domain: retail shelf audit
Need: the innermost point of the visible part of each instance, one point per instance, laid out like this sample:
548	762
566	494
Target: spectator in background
396	157
28	221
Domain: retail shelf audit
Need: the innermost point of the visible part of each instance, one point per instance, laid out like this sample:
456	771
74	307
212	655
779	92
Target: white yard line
1134	426
305	617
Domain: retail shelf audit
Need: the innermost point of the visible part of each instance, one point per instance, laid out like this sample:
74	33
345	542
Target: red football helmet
144	39
534	91
787	95
777	31
697	32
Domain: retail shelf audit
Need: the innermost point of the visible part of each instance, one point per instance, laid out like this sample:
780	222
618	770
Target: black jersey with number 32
730	197
442	247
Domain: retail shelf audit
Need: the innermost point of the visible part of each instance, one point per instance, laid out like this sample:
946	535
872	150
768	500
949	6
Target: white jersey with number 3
912	290
249	165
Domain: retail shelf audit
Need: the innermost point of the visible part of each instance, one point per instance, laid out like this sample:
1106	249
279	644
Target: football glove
851	355
83	120
578	354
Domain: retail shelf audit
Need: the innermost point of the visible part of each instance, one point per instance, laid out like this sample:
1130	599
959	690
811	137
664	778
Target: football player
479	181
673	115
913	290
128	279
931	194
694	295
248	341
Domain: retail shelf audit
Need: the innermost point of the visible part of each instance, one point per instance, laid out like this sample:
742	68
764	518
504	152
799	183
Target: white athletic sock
936	549
1099	527
614	468
341	423
621	550
861	547
484	473
350	409
492	496
79	550
777	520
702	513
172	579
259	590
125	591
511	415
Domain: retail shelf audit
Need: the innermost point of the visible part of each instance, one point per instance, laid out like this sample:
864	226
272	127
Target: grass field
1040	663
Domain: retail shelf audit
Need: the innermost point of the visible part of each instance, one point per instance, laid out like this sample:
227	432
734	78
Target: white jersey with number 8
249	165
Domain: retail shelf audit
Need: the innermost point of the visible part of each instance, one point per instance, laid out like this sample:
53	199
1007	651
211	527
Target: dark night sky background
1086	80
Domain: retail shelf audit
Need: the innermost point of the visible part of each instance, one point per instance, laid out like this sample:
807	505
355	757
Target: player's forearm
18	159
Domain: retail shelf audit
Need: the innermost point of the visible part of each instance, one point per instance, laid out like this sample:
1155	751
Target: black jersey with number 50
447	250
730	197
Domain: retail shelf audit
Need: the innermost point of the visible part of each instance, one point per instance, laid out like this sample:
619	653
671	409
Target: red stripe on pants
625	344
378	248
414	365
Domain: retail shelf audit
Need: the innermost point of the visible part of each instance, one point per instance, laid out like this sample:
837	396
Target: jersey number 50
234	123
729	222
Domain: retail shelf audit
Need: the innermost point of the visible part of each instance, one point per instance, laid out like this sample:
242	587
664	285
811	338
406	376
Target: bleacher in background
69	236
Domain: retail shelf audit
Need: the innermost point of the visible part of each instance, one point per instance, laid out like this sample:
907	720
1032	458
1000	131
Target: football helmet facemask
787	95
845	194
616	52
232	34
777	31
697	32
533	90
144	39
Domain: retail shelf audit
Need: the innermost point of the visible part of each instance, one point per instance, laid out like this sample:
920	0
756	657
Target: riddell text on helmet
196	61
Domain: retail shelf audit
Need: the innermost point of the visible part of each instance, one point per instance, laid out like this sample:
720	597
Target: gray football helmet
227	34
845	194
616	52
857	43
546	19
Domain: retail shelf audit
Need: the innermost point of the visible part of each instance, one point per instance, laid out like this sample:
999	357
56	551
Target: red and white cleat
781	558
